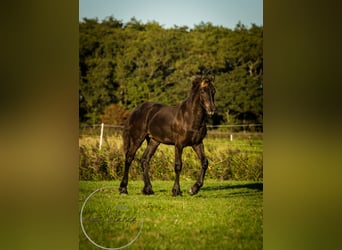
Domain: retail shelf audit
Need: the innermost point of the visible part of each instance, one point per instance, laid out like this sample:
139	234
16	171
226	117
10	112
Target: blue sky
176	12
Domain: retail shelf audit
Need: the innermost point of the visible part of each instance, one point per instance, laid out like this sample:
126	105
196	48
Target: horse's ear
212	78
195	79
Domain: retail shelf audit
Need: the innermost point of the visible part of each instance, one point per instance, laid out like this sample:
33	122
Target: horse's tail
126	139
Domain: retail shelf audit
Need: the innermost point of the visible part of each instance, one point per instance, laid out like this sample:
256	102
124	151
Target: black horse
181	126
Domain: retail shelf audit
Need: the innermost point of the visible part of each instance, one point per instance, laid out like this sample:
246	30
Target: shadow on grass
164	191
232	190
255	186
228	190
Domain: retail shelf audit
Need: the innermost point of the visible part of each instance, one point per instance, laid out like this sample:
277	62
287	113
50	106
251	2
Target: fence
231	132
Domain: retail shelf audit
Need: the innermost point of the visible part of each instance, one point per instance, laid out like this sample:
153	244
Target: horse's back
138	120
141	114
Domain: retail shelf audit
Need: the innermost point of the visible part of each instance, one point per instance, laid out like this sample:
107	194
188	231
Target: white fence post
101	135
231	137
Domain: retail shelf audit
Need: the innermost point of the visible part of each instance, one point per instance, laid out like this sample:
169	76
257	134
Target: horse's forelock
201	82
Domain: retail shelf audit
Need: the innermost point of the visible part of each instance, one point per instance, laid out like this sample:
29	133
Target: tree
114	114
130	63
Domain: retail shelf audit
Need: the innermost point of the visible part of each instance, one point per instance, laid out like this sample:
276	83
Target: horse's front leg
178	168
199	149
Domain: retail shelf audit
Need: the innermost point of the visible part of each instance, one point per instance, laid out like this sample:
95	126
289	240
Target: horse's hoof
194	189
191	192
123	191
177	193
147	191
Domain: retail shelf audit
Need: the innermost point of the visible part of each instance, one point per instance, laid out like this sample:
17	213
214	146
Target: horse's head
206	92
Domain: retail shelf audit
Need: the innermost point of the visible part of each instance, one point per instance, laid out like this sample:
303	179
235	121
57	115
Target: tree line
124	64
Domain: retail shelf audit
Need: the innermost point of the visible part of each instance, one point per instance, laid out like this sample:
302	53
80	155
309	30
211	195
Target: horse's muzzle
211	111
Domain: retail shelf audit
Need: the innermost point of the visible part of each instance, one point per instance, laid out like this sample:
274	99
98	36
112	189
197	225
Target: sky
176	12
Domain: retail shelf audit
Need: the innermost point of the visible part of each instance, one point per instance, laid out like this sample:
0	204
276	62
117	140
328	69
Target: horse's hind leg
124	181
145	159
131	148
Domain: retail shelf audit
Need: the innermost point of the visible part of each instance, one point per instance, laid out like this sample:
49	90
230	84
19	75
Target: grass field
223	215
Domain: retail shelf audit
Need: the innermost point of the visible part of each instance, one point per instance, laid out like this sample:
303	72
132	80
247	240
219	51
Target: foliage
223	215
237	160
134	62
114	114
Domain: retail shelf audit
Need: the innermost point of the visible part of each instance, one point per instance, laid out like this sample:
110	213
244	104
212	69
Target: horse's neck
196	119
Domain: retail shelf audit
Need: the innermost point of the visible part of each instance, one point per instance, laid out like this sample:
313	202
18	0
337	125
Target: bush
96	164
236	160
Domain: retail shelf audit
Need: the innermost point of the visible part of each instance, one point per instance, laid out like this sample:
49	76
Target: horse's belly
192	138
161	134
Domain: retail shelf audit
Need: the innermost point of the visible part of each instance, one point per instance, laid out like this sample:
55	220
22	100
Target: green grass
223	215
